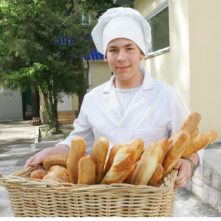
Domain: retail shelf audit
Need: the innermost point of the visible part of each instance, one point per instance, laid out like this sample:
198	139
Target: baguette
57	173
122	165
111	156
157	176
147	164
86	171
99	153
165	144
192	122
201	141
176	151
77	150
138	145
55	159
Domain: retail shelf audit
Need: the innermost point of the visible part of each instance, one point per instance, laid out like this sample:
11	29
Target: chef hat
122	23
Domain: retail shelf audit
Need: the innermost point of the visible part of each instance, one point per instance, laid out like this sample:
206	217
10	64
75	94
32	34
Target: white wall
193	64
10	105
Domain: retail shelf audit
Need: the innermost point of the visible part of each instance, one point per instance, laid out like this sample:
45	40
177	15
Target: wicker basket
30	198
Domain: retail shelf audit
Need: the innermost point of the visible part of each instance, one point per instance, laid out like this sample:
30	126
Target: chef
131	104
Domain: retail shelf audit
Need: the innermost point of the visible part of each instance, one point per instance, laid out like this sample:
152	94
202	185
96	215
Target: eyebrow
115	46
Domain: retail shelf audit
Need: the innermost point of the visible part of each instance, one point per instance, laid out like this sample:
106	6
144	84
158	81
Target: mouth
123	67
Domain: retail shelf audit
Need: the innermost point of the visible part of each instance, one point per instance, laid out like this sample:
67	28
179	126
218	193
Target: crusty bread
201	141
138	145
192	122
122	165
55	159
57	173
176	151
77	150
38	174
157	176
147	164
86	170
99	153
165	144
129	177
110	158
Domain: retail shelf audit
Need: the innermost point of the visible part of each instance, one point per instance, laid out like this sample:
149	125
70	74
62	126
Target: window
159	22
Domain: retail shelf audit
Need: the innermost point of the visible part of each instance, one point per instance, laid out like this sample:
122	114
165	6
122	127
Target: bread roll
38	174
122	165
147	164
157	176
77	150
111	156
86	171
55	159
99	153
57	173
176	151
201	141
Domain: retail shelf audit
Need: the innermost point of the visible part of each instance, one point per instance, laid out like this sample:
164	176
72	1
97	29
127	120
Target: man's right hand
38	158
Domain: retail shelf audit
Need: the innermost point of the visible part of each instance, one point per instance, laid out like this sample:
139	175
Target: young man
131	104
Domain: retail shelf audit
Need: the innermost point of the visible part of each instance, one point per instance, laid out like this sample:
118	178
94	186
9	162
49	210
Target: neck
127	84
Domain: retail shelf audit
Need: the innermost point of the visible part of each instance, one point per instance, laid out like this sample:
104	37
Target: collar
148	82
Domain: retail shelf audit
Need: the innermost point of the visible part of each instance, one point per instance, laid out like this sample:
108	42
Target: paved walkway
15	148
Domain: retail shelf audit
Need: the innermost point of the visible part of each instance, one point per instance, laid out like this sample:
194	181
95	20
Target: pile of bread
126	162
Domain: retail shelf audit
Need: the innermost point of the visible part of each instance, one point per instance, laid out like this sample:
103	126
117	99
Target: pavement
17	144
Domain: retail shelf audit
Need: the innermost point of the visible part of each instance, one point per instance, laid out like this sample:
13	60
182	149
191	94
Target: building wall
10	105
192	65
99	73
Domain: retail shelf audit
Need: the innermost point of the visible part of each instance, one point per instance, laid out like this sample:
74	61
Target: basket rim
20	178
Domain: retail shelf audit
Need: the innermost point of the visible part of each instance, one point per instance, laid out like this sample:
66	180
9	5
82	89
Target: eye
130	48
112	50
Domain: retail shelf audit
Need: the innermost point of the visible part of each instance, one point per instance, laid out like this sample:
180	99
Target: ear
105	59
142	56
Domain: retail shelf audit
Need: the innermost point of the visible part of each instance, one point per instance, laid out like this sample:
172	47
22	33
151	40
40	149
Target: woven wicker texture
30	198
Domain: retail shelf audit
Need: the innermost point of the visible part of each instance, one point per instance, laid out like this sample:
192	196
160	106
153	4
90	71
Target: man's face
123	57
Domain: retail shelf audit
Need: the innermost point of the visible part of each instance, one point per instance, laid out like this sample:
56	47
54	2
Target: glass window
159	22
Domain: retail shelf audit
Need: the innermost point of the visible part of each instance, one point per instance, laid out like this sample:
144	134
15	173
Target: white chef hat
122	22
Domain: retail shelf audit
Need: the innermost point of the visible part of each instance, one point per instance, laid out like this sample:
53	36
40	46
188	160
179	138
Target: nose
121	55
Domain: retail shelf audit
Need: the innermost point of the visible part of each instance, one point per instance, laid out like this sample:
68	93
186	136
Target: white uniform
154	112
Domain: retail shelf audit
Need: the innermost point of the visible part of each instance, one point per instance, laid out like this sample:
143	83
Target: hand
38	158
184	173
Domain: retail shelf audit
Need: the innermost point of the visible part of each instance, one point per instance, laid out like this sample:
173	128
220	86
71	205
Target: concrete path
15	148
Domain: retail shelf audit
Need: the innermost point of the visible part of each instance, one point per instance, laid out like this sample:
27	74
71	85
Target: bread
201	141
157	176
38	174
122	165
138	145
57	173
129	177
55	159
86	170
111	156
165	145
176	151
77	150
147	164
192	122
99	153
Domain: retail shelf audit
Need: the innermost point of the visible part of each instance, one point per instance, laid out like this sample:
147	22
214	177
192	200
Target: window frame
153	13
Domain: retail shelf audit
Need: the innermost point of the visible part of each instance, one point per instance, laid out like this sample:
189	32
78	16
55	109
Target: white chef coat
155	111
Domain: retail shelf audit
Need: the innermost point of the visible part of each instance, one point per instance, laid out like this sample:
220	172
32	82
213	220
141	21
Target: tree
42	43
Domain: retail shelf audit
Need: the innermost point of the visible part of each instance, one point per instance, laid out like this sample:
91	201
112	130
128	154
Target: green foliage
31	55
